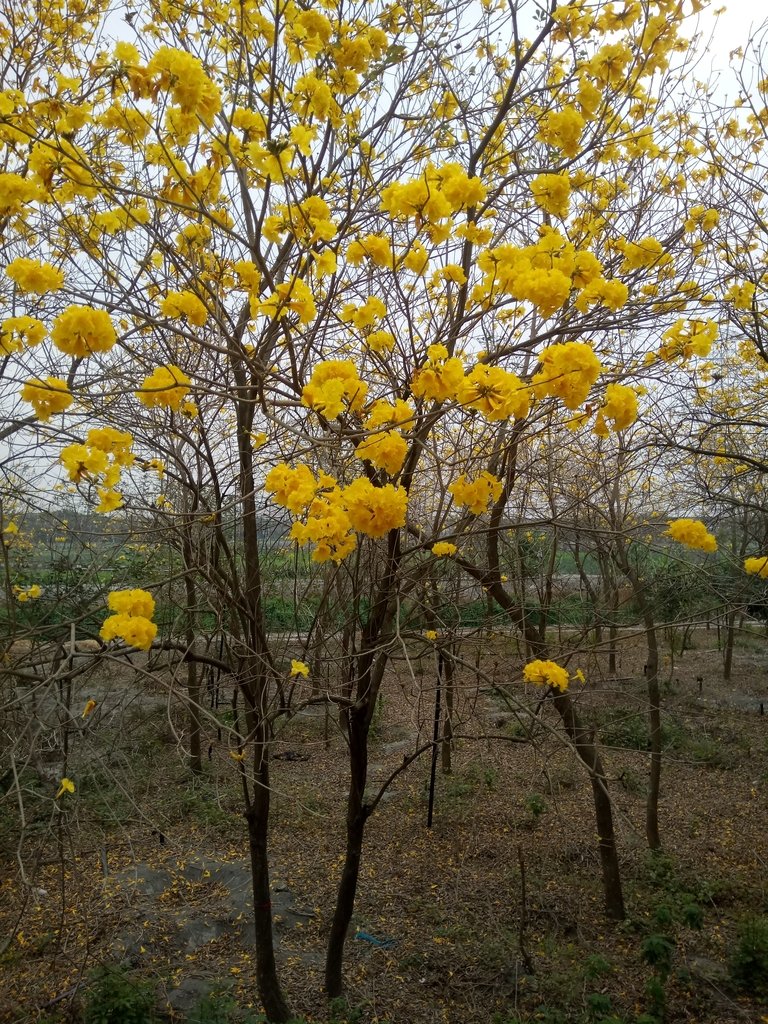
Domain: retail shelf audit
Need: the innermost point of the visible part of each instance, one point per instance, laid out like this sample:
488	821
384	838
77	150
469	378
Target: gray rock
199	931
150	881
711	971
189	992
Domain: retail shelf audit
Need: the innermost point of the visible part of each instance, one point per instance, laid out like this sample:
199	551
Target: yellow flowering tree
321	274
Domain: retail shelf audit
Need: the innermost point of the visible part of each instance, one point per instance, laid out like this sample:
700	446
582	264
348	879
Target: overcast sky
723	34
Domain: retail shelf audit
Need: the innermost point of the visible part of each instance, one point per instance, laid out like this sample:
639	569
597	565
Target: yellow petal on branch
89	706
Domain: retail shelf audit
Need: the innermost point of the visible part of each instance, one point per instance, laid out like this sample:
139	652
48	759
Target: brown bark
587	750
357	814
446	746
654	714
730	633
193	682
255	687
257	817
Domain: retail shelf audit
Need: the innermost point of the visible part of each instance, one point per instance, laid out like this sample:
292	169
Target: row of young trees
420	275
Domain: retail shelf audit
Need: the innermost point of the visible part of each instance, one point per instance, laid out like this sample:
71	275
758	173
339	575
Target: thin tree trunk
255	690
729	638
356	818
447	742
193	681
257	817
654	714
588	752
613	632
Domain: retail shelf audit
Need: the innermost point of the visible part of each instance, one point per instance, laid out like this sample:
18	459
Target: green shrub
749	964
212	1009
116	997
535	805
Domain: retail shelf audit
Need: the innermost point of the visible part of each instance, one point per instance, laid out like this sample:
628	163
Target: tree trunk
257	816
195	723
654	713
356	818
729	638
447	741
587	751
613	632
193	682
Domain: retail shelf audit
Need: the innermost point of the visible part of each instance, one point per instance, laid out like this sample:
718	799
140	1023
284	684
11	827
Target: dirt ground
492	915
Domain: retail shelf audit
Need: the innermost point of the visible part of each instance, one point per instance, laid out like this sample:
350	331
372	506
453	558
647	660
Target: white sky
721	35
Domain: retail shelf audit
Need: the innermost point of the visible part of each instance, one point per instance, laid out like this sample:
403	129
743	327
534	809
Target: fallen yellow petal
65	786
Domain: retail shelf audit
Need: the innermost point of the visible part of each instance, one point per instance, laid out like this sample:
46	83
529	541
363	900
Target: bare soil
146	867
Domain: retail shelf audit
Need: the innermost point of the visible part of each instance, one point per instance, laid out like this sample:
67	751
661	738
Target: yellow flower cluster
104	453
15	192
334	388
620	407
563	129
24	594
757	566
383	412
385	450
288	297
648	252
132	602
327	526
376	248
183	76
552	193
132	622
47	396
380	341
702	218
306	32
331	512
741	295
364	317
313	97
688	338
546	673
373	510
495	393
568	371
18	331
308	221
184	304
433	197
440	378
545	274
167	386
477	494
693	533
34	276
81	330
294	488
609	65
444	549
